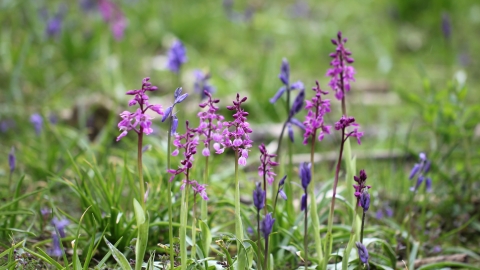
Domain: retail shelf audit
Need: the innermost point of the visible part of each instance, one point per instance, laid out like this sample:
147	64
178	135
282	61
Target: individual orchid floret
11	159
188	142
211	123
420	170
178	98
177	56
37	122
362	253
361	186
259	197
345	122
238	138
139	121
317	108
267	225
202	83
341	72
266	164
284	76
200	189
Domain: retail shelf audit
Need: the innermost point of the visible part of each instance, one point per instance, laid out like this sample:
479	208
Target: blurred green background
414	61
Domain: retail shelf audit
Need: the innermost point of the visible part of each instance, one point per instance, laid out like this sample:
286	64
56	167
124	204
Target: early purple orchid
139	121
211	123
317	108
189	145
266	164
345	122
341	73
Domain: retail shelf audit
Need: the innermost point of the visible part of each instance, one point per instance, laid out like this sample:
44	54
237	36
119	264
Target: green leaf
119	257
142	237
206	237
442	265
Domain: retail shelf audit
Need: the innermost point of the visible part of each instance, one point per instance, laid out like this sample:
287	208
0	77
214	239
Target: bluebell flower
267	225
60	224
37	122
362	253
178	98
177	56
202	83
284	77
11	159
305	174
420	171
259	197
56	250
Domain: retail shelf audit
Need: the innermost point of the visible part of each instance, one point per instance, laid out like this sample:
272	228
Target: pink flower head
317	108
139	121
341	74
188	142
345	122
266	164
211	124
235	133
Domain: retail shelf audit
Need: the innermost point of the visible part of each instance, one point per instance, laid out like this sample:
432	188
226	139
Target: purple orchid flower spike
211	123
139	121
188	142
345	122
266	164
341	73
314	120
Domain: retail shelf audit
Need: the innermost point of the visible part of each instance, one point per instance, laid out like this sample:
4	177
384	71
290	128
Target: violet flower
56	250
54	24
345	122
114	16
37	122
60	224
267	225
306	177
297	106
178	98
177	56
365	200
259	196
341	73
314	120
11	159
284	76
361	185
281	184
139	121
362	253
446	26
211	123
200	189
266	164
189	146
238	139
201	83
420	170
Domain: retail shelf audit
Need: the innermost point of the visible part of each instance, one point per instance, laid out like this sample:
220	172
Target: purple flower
317	108
201	83
362	252
177	56
365	200
5	125
259	197
266	164
341	73
11	160
178	98
345	122
446	26
296	107
305	174
284	76
56	250
361	185
37	122
303	203
267	225
420	171
113	15
200	189
281	192
211	123
54	25
188	142
238	138
60	224
139	121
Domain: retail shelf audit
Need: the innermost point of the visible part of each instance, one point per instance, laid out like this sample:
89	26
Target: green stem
169	192
193	253
266	253
305	236
361	228
259	239
140	171
351	241
313	203
424	212
183	224
238	217
203	203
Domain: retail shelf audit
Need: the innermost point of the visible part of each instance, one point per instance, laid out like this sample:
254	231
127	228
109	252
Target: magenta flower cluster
345	122
317	108
200	189
211	123
266	164
139	121
189	145
238	138
361	186
341	73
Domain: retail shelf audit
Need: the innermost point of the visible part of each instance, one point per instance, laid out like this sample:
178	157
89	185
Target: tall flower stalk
266	169
172	128
236	135
314	124
140	122
211	124
306	178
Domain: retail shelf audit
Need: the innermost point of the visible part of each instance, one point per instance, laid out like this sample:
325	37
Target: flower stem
305	232
266	253
238	217
140	171
328	243
313	203
193	252
203	203
169	192
183	224
361	230
259	239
